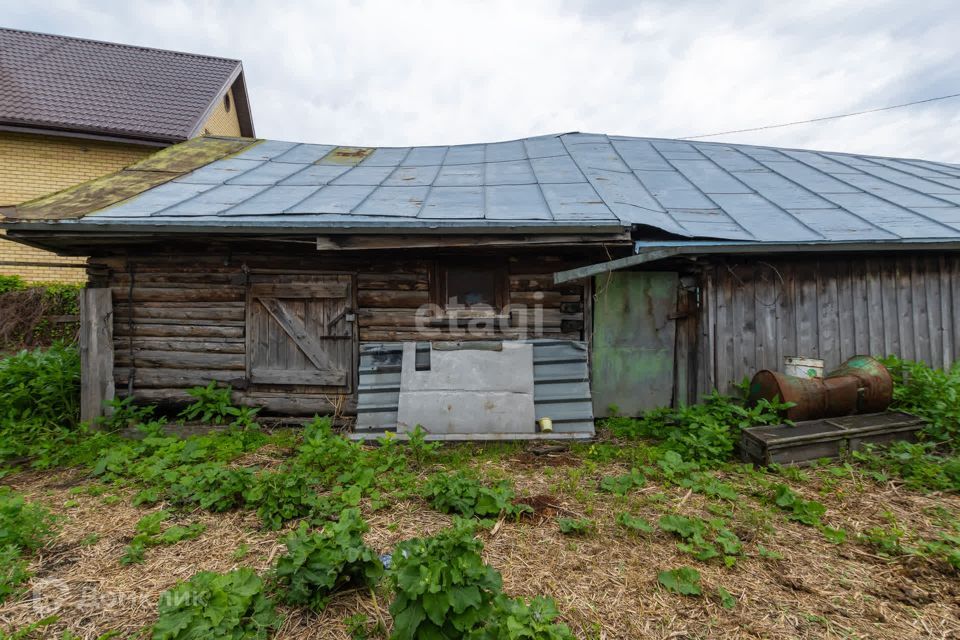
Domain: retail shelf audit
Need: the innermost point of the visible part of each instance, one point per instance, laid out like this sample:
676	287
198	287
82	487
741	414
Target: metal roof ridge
118	44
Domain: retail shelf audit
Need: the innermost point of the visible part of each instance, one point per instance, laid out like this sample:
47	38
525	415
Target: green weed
459	493
576	526
24	525
212	605
13	572
150	533
622	484
705	432
444	590
685	581
318	564
634	523
704	539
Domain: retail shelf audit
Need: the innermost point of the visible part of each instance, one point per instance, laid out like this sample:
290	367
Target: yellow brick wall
34	165
223	122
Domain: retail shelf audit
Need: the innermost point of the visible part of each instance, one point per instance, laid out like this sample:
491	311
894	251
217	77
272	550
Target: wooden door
300	331
633	341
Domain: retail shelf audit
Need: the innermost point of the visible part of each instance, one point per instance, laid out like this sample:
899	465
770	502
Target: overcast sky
416	73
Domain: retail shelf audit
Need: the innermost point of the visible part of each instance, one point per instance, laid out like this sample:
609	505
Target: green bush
41	387
23	524
685	581
576	526
808	512
40	408
212	605
11	283
318	564
623	484
212	486
325	455
931	394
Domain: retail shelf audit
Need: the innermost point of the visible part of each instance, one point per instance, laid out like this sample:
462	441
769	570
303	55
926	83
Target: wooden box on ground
827	438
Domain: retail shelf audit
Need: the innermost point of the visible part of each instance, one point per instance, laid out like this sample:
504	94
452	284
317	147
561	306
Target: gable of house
64	121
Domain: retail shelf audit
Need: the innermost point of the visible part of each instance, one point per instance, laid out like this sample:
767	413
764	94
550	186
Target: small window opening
226	102
471	287
470	291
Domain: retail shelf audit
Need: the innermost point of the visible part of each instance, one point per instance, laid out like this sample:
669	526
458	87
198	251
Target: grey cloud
410	73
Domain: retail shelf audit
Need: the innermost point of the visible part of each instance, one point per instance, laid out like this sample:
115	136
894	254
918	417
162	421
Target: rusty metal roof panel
573	182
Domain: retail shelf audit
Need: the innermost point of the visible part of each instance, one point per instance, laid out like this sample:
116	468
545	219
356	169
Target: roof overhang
77	239
31	129
648	252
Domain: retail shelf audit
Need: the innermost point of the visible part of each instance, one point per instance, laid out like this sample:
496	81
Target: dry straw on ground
605	584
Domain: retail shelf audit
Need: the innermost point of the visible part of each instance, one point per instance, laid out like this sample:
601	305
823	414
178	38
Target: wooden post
96	352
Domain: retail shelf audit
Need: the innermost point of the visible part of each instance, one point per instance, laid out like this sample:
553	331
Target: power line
842	115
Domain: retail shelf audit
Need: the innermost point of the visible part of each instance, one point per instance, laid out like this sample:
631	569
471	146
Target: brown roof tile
71	84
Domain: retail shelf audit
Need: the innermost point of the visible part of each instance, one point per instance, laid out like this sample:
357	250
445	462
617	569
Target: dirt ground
605	583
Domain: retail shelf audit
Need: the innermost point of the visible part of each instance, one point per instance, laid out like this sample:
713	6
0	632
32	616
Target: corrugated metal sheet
561	385
580	181
756	312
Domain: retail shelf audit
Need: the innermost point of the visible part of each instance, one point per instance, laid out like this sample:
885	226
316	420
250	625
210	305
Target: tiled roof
576	181
70	84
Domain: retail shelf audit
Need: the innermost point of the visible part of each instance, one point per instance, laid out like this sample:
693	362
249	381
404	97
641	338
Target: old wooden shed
480	288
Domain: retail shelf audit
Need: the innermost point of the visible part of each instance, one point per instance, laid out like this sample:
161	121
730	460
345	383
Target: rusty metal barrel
860	385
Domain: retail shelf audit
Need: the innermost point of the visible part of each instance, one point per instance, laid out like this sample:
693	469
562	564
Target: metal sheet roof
574	181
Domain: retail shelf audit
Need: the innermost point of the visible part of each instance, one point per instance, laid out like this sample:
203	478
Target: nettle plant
318	564
214	406
705	432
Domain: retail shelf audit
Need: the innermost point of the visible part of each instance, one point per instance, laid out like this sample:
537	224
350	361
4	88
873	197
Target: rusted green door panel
633	341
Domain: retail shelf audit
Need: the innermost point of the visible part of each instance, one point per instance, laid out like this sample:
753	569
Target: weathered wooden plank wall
180	321
755	312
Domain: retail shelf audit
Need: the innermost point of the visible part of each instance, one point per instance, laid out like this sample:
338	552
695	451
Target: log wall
180	322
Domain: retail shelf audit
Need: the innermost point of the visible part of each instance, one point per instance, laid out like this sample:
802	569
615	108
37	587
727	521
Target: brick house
72	110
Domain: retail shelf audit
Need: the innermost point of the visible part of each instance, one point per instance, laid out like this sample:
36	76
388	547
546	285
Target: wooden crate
811	440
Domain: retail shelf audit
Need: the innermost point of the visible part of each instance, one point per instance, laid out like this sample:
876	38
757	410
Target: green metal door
634	330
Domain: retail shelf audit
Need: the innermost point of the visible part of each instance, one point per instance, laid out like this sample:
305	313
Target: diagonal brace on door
297	331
